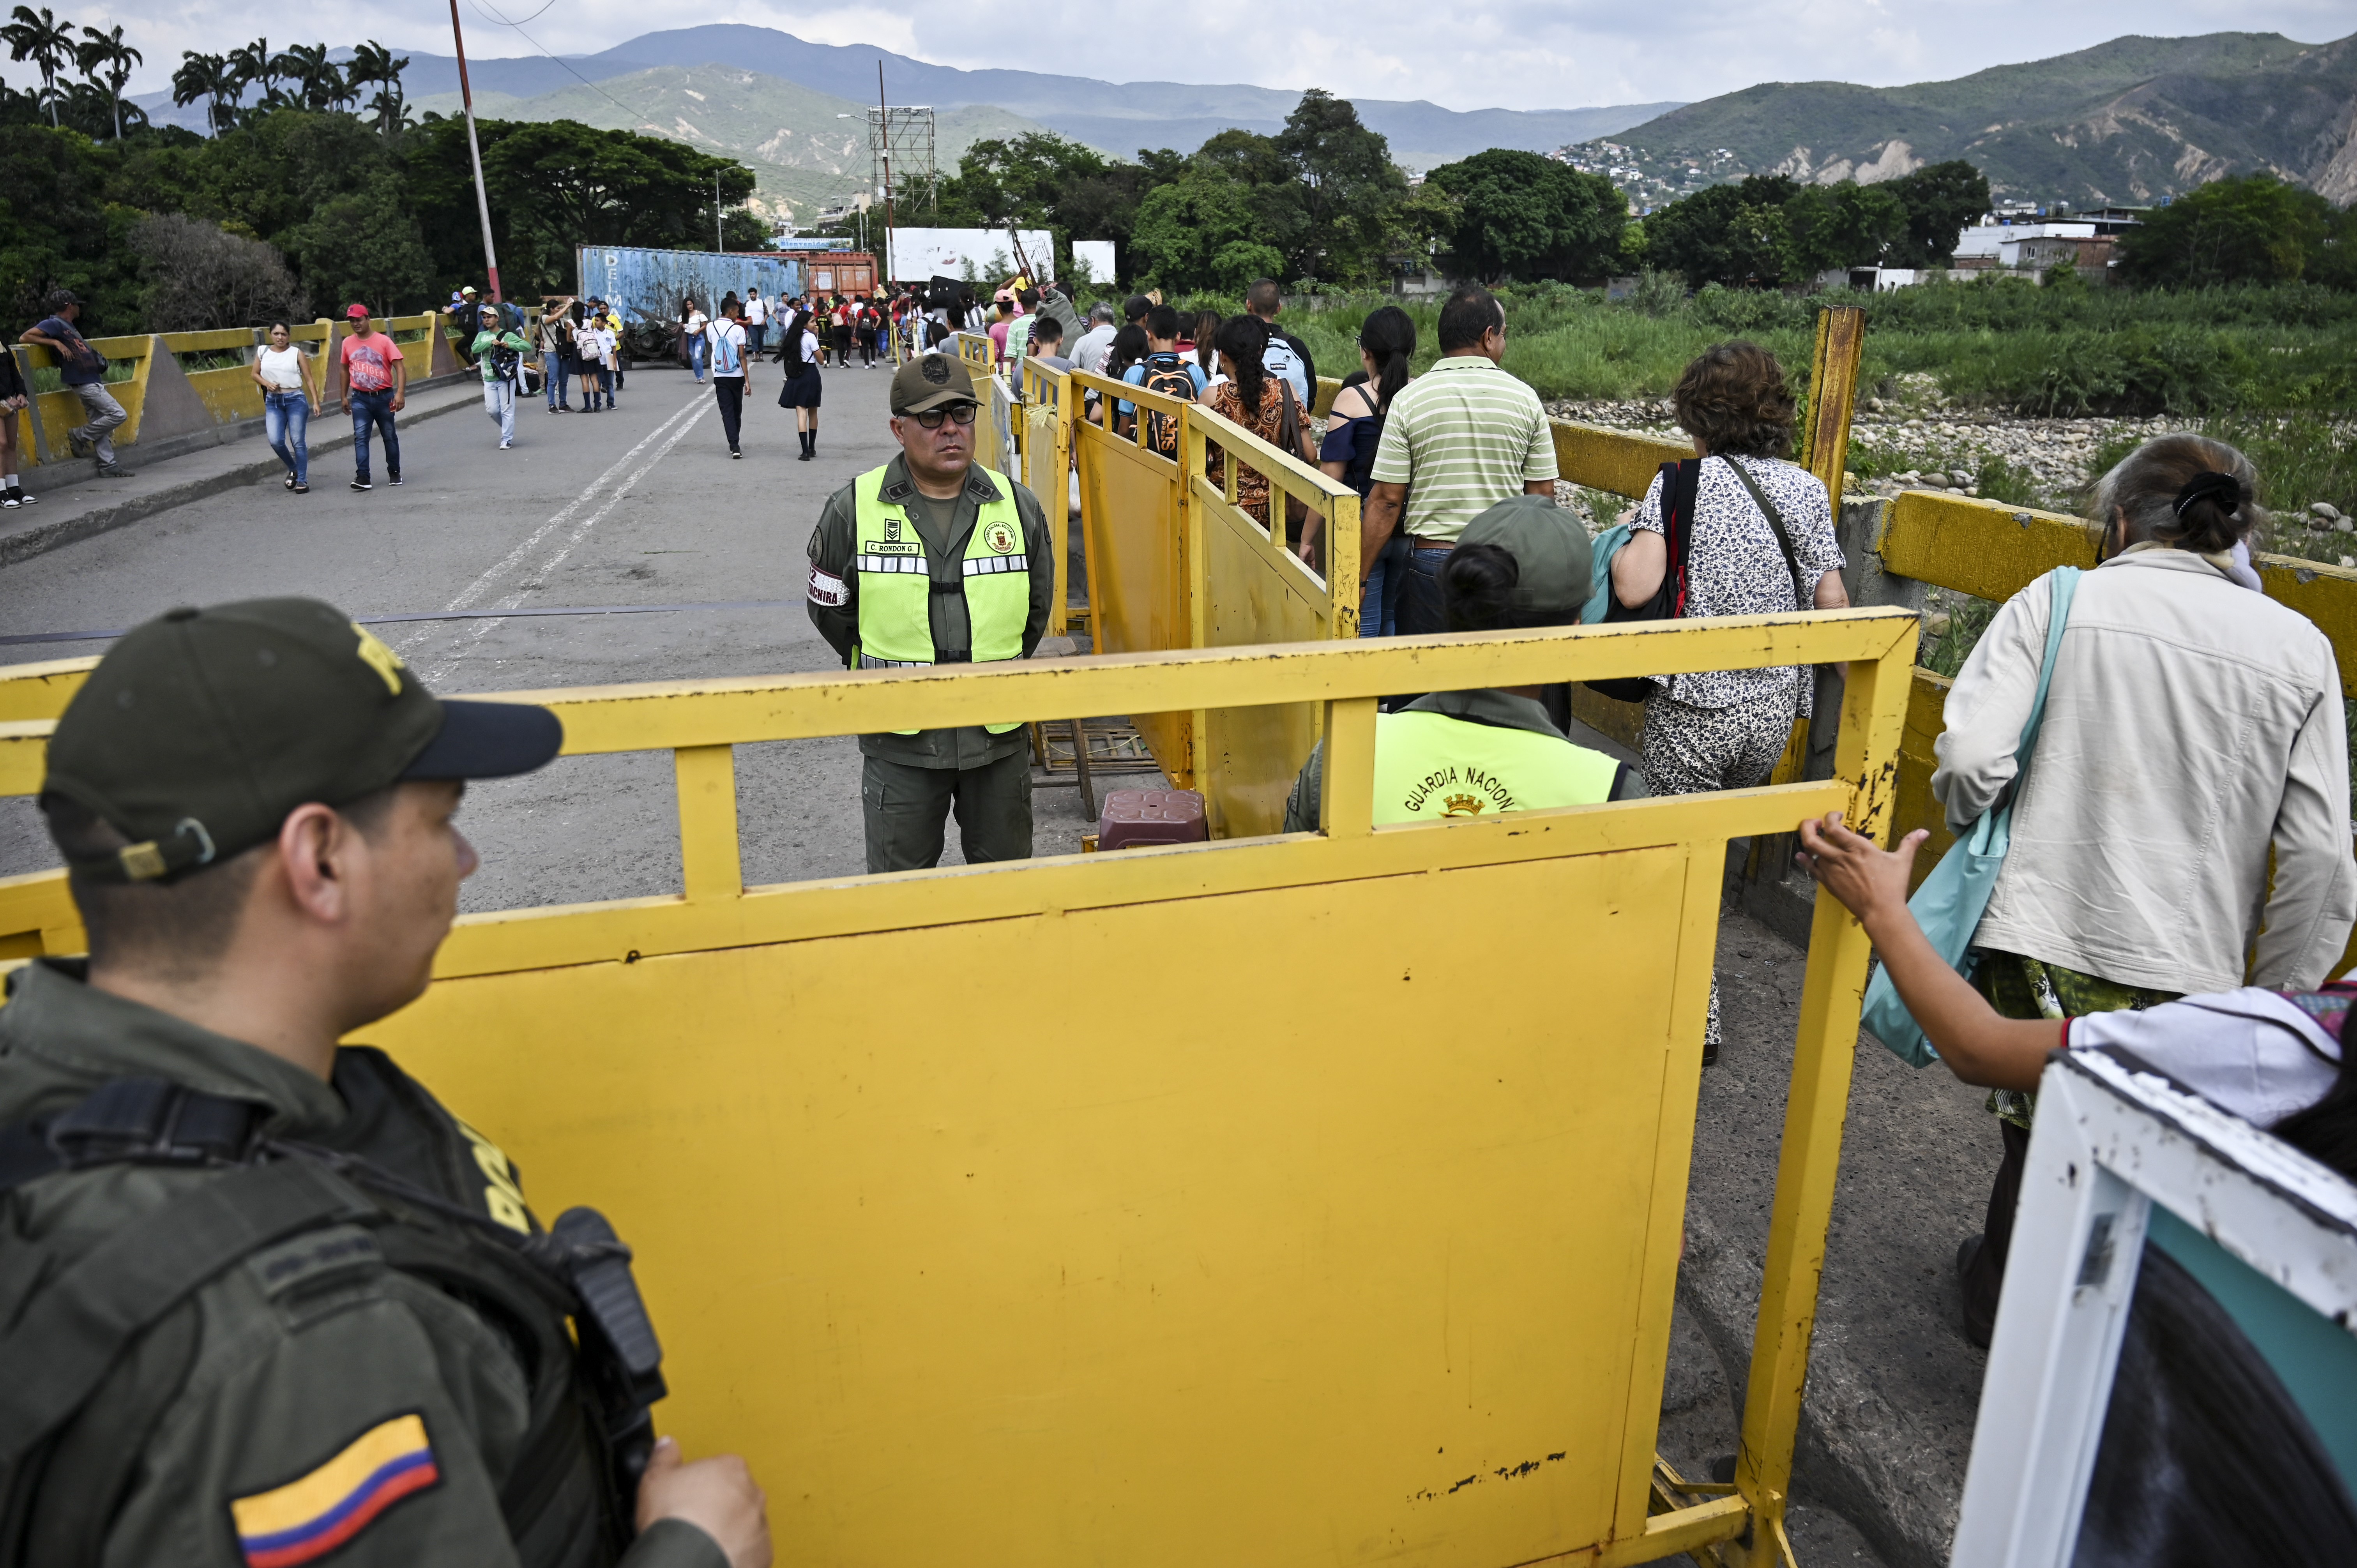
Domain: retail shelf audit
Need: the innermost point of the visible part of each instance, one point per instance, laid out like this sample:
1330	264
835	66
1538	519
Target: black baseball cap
203	728
930	380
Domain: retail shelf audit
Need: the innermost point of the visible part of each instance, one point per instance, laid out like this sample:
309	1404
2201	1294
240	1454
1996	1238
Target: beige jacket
2191	723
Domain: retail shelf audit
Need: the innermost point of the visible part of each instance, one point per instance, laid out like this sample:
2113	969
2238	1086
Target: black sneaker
8	501
115	471
362	484
395	480
79	446
734	453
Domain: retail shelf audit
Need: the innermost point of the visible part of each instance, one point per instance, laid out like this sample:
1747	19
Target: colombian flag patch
310	1516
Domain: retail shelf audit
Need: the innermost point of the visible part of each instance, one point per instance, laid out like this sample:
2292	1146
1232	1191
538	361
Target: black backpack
1166	373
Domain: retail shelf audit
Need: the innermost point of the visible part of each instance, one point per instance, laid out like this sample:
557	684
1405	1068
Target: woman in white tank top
289	399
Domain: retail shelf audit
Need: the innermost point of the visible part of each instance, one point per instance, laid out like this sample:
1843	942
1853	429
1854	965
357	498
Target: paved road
640	506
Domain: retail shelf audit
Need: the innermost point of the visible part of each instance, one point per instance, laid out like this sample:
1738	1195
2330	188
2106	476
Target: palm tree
104	56
315	80
253	65
208	76
46	40
373	62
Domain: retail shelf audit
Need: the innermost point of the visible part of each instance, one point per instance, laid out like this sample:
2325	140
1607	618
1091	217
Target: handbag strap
1801	600
2063	585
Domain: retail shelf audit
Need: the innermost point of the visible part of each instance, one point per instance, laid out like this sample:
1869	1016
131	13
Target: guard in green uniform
1473	754
932	560
263	1299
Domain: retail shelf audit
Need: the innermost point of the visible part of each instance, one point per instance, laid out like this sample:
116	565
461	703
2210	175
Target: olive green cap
1553	558
201	729
930	380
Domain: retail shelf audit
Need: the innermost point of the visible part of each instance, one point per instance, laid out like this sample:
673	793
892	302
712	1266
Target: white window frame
2113	1138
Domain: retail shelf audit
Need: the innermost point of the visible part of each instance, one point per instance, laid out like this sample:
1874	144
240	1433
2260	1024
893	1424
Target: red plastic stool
1135	817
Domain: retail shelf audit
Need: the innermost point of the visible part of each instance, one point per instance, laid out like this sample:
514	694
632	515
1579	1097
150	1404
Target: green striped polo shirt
1462	436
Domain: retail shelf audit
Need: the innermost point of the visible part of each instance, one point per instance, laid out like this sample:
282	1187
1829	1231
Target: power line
490	16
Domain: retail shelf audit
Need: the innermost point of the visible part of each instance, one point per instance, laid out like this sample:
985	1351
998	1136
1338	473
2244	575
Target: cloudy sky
1515	54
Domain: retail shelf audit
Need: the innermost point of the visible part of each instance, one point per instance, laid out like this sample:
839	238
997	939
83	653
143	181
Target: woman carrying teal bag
2145	760
1952	898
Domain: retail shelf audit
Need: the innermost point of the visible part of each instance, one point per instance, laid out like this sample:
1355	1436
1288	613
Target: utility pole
883	129
475	151
716	244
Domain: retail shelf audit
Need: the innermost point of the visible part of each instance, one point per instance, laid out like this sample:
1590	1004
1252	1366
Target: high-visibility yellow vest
896	585
1430	765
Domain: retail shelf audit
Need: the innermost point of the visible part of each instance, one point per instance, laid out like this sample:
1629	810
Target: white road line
669	433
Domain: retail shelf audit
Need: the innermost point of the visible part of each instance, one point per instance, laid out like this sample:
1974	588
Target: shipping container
647	286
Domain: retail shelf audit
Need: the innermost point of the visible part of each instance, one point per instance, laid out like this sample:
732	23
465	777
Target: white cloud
1518	54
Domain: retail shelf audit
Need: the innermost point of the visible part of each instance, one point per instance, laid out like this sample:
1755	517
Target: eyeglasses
963	413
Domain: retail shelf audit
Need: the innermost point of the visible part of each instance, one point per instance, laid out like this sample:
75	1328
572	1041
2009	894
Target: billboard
985	255
647	286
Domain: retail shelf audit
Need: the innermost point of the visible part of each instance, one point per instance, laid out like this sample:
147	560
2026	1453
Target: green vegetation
1320	200
2001	343
358	213
2255	228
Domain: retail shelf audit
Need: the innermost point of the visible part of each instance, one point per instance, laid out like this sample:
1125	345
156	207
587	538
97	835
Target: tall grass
1997	343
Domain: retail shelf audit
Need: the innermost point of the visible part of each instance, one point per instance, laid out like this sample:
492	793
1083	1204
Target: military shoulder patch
312	1515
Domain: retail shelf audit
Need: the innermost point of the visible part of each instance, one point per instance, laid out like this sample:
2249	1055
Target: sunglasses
963	413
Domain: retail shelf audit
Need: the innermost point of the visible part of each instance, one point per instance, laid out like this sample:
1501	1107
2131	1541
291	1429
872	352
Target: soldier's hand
717	1495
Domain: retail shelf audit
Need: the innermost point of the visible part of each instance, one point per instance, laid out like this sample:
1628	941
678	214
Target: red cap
357	312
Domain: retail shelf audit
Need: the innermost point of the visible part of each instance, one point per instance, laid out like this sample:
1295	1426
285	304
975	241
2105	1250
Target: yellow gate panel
1140	597
1366	1258
982	1293
1255	591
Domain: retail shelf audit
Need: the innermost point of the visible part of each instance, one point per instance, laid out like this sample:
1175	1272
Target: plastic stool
1135	817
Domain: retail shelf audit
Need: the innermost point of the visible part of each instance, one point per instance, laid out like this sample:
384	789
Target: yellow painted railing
1174	561
169	392
1046	467
1368	1269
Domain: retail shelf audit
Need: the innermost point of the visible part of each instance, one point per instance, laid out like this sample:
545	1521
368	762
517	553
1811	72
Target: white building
2001	244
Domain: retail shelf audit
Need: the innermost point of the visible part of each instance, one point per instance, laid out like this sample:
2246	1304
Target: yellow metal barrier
1047	455
1371	1270
170	392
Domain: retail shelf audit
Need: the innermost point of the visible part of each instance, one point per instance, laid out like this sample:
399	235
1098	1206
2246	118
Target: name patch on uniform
826	588
311	1516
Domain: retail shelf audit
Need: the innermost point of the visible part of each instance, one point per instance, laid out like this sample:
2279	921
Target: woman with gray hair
2191	726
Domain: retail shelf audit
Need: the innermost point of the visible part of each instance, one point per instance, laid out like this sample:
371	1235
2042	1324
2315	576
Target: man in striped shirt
1461	438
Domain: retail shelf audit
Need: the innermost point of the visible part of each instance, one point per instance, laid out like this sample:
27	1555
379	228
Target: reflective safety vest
1430	765
896	584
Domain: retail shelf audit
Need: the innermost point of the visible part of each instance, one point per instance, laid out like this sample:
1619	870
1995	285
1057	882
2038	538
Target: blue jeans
1419	603
695	357
286	420
373	411
1380	589
553	379
498	401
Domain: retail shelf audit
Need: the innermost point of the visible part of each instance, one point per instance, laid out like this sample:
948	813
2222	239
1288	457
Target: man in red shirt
375	385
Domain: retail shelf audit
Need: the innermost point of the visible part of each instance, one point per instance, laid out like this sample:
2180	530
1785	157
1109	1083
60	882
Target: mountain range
1117	118
2133	121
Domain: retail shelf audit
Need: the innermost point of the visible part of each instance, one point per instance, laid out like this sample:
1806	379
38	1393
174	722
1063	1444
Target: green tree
1043	181
1523	216
46	39
57	231
2252	228
1844	225
1731	234
1351	192
1941	199
105	58
211	78
1199	233
363	247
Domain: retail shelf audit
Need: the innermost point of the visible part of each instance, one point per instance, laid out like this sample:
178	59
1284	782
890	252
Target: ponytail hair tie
2211	484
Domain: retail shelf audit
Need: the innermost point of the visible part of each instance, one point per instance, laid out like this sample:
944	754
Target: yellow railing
961	1288
164	399
1174	561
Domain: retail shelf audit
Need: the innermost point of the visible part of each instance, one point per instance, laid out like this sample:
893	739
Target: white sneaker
506	446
